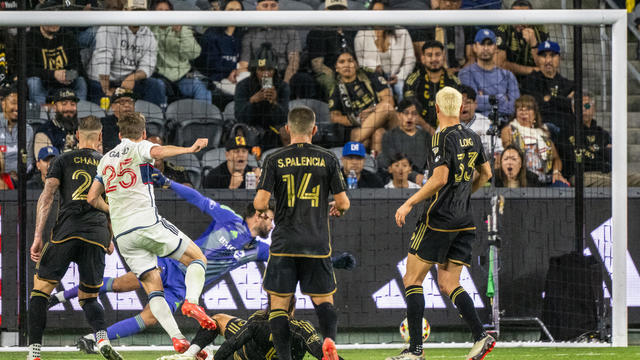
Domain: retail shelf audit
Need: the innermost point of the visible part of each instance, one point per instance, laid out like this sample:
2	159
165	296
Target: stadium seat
36	116
189	119
213	158
86	108
369	161
321	108
229	113
154	115
191	165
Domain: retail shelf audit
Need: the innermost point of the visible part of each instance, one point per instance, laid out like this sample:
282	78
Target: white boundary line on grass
511	344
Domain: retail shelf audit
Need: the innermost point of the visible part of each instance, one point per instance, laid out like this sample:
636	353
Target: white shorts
140	248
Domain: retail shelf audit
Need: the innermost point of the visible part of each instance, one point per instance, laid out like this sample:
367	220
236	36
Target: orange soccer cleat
180	345
329	350
196	312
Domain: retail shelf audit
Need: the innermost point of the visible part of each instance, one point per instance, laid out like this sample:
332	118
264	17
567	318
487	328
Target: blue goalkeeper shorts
172	281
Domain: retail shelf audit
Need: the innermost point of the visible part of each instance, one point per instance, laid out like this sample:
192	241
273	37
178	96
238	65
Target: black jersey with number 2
76	218
301	177
460	150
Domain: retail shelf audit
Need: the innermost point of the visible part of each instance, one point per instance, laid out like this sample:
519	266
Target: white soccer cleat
406	355
177	357
481	348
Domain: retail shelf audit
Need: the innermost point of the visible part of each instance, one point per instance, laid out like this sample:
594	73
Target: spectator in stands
406	139
518	44
324	46
457	40
53	62
230	174
362	102
45	155
512	173
9	132
262	100
424	83
177	47
123	101
6	183
386	51
284	42
219	58
125	56
7	55
353	157
477	122
60	131
487	79
528	133
169	169
399	169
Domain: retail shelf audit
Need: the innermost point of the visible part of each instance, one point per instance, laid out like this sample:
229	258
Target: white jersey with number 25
125	172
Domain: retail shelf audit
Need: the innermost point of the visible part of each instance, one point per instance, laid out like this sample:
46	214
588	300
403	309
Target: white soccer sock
90	337
192	350
194	281
34	351
161	311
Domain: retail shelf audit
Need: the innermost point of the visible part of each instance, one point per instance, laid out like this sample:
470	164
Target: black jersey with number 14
301	177
460	150
76	218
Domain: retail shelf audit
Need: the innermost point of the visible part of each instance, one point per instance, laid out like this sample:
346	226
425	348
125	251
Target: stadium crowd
373	92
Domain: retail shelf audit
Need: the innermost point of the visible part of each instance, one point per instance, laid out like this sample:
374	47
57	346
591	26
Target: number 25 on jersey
125	176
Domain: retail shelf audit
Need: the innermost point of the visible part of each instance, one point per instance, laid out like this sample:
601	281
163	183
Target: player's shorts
440	246
316	276
141	247
173	282
56	258
233	326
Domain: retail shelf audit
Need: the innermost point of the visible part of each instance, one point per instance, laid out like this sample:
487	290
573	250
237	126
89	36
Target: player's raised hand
36	250
200	144
402	213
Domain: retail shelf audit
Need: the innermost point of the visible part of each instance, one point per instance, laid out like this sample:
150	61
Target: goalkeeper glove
160	180
345	261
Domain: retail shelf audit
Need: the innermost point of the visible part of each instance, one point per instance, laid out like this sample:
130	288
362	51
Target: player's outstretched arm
44	206
165	151
94	197
433	185
485	174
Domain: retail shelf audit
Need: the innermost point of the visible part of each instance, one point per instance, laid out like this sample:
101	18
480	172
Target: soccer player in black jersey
301	176
81	234
445	232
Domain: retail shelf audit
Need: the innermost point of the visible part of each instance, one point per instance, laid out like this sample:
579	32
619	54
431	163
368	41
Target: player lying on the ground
251	339
238	247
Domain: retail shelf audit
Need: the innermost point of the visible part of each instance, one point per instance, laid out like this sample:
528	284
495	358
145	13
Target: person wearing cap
489	80
230	174
59	131
45	155
324	47
177	47
407	139
518	44
125	56
424	83
123	101
353	157
284	42
9	132
53	62
262	100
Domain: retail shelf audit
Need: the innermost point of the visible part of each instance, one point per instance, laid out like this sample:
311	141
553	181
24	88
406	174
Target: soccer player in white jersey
124	174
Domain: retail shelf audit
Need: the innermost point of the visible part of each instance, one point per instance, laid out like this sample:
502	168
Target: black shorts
315	275
233	326
442	246
56	258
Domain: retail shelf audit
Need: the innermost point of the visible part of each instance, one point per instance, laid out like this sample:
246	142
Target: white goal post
616	18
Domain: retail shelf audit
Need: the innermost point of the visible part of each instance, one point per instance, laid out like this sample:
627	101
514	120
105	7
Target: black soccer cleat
53	301
87	346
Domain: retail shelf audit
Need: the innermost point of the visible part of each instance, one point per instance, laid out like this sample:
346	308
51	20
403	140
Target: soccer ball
404	330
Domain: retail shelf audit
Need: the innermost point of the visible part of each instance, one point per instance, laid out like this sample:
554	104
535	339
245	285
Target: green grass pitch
630	353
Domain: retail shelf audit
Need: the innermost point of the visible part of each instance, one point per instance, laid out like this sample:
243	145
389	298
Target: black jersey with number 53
301	177
76	218
459	149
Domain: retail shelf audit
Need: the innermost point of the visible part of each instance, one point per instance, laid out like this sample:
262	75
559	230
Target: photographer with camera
53	62
262	101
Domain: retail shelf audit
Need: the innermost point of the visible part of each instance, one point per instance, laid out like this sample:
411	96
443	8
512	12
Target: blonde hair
301	120
89	127
449	100
132	125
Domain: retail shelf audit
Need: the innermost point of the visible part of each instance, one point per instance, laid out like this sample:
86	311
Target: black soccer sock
37	315
328	320
204	337
279	325
415	312
461	299
94	313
